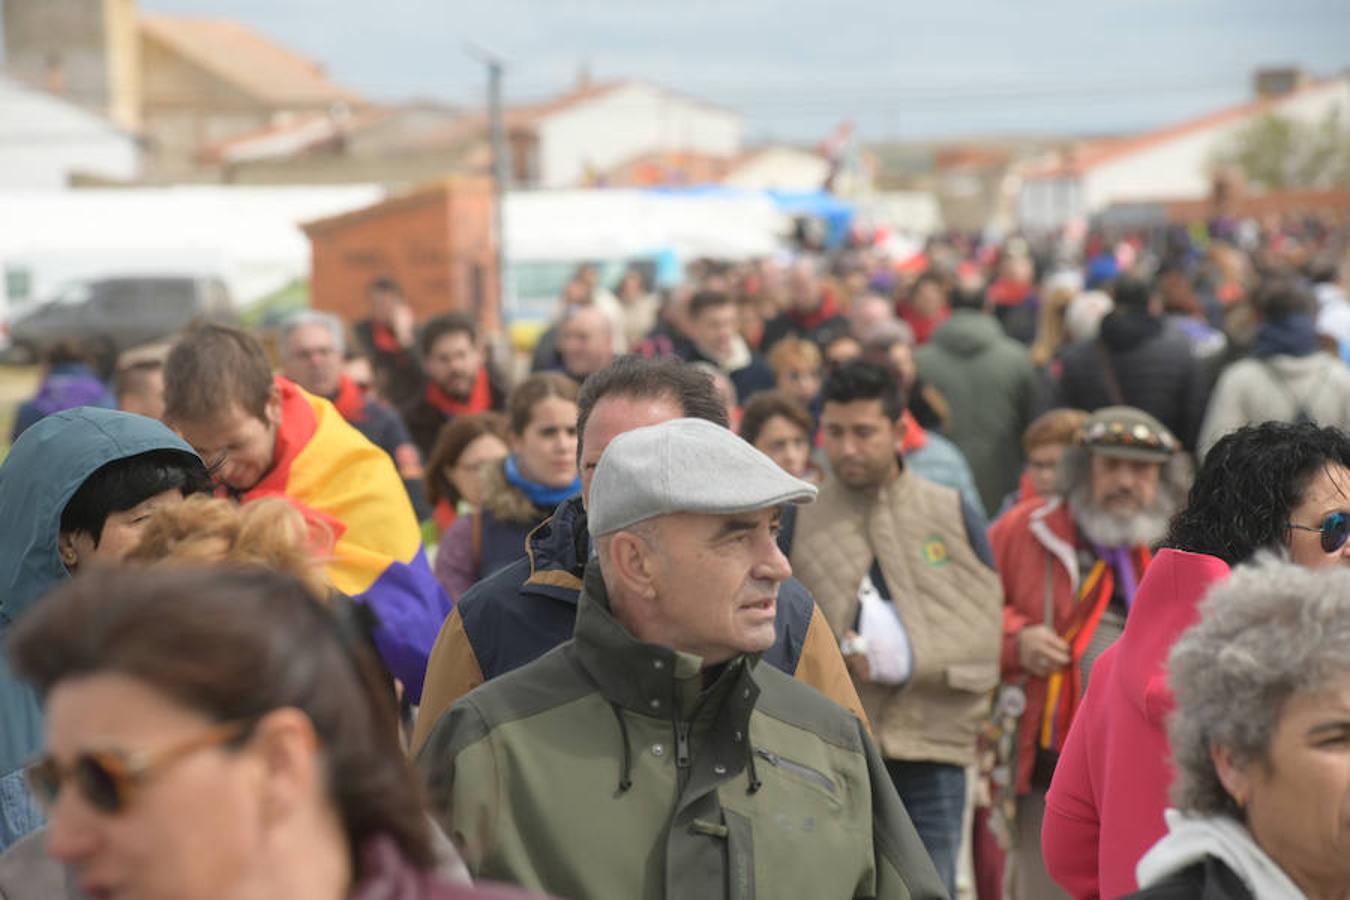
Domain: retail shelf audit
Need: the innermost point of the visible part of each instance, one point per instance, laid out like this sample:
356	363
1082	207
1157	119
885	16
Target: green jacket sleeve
459	770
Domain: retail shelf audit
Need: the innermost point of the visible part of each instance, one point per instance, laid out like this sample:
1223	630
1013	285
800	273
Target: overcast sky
795	69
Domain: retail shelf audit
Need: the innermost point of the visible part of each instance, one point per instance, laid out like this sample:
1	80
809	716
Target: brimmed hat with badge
685	465
1128	433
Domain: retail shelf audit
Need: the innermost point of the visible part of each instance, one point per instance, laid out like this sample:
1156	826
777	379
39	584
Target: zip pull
682	745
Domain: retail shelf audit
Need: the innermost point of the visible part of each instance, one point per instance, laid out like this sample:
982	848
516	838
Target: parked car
116	312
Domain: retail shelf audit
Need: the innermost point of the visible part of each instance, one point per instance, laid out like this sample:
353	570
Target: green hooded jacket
607	769
44	469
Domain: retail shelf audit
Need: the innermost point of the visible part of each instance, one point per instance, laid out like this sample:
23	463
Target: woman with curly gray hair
1261	743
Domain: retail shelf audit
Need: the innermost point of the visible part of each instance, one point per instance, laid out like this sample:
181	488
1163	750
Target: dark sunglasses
109	779
1335	529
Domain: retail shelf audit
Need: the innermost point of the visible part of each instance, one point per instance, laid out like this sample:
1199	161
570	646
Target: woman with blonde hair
1051	333
268	533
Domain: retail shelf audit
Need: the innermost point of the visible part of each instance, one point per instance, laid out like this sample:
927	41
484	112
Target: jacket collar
651	679
1042	524
557	551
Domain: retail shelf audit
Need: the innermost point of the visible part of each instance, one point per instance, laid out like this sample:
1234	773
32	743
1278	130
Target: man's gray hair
1272	631
313	317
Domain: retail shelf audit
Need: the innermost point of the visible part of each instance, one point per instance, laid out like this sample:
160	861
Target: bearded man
1070	565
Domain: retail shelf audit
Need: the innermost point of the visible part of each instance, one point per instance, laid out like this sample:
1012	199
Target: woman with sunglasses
219	734
1275	487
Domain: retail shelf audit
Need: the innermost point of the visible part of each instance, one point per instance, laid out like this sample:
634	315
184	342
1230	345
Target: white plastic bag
889	656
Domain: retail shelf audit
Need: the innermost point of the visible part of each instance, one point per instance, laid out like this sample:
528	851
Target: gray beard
1106	529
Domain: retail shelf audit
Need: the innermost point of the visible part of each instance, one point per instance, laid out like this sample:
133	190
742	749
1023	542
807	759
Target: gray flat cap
685	465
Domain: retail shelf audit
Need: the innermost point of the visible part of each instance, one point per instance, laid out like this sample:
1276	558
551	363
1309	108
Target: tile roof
1090	154
249	61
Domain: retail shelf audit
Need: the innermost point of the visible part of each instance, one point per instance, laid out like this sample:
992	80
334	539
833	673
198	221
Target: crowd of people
1015	568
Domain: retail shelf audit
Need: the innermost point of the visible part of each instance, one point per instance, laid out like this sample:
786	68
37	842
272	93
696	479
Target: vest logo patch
935	552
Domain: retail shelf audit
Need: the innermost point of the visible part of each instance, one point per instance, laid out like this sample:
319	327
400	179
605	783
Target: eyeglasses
109	779
1335	529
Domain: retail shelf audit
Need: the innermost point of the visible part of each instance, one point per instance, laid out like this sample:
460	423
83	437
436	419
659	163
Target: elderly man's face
731	607
311	359
585	344
803	287
1124	487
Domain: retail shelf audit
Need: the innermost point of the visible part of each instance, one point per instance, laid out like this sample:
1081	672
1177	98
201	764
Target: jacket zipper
682	761
796	768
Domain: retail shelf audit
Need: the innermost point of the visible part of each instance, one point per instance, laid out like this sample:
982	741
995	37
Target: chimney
1278	81
584	76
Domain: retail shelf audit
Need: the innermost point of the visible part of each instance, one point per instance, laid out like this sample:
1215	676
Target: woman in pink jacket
1273	486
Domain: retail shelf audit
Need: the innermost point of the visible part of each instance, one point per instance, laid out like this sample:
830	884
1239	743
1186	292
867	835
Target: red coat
1105	805
1034	540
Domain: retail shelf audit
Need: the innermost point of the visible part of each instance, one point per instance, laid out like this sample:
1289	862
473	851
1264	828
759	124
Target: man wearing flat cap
650	756
1070	565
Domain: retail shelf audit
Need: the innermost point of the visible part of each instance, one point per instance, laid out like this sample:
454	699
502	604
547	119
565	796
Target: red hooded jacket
1106	801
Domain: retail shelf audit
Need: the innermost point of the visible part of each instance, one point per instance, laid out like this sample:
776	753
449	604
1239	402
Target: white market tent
249	237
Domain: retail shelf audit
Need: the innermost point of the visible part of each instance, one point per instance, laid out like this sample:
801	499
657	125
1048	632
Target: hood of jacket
1303	375
505	501
968	333
1190	839
1124	331
45	467
1294	335
1165	605
557	551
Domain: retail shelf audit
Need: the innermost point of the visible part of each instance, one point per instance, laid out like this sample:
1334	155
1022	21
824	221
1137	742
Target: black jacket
1208	880
1153	365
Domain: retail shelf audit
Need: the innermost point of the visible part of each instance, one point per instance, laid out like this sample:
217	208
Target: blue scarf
1294	335
541	495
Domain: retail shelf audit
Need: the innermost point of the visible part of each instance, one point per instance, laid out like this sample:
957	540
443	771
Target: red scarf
828	309
444	514
384	338
1006	292
915	437
479	400
350	400
924	326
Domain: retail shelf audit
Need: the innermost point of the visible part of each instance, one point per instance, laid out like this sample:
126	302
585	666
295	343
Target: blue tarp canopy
837	214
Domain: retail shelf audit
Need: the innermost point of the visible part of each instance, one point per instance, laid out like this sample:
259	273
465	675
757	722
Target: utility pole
501	161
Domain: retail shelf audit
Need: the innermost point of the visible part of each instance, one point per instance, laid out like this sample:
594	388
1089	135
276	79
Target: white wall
1048	203
1180	169
1175	169
43	139
630	121
780	168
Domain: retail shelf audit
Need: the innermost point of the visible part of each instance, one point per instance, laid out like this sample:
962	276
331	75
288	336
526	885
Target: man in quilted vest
902	570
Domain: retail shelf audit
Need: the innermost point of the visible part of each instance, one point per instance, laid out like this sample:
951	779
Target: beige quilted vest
950	602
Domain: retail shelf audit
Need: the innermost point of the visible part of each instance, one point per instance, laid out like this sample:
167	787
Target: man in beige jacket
902	570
